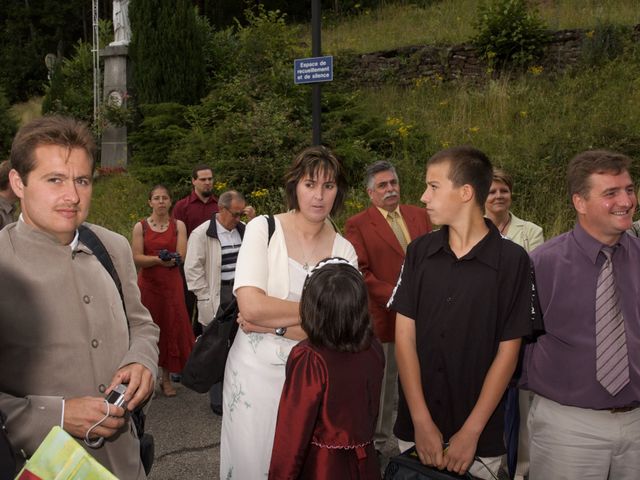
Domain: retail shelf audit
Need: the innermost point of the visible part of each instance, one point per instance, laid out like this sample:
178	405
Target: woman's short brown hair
334	308
49	130
311	161
501	176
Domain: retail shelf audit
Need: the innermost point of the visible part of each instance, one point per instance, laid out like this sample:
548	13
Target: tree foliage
167	49
254	119
29	30
8	126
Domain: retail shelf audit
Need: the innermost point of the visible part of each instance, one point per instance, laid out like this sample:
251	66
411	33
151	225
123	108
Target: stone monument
116	78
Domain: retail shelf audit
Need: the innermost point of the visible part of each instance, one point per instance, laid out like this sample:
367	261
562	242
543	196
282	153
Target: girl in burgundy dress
160	282
329	404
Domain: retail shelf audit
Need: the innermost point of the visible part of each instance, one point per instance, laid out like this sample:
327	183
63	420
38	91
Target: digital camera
165	255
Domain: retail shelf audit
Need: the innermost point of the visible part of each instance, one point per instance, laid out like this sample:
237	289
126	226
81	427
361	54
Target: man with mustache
67	337
380	236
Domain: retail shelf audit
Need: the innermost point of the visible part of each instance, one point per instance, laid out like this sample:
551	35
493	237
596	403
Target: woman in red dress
329	404
160	282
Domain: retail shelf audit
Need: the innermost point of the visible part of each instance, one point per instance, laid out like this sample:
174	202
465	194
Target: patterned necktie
394	222
612	363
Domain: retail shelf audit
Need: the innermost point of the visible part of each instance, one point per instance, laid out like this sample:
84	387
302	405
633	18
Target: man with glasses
210	264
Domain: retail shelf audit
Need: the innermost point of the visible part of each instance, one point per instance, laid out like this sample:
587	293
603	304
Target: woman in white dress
270	273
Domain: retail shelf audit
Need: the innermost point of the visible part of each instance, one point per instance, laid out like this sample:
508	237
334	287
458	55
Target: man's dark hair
225	199
312	161
199	168
66	132
375	168
467	166
583	165
5	168
334	308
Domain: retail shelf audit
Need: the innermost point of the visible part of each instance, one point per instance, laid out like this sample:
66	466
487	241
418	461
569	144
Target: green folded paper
61	457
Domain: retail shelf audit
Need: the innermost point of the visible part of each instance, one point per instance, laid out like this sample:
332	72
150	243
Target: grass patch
451	22
119	201
531	126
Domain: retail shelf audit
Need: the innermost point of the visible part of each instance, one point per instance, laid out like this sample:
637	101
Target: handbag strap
91	240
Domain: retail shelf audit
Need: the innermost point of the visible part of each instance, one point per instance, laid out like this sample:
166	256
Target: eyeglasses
234	214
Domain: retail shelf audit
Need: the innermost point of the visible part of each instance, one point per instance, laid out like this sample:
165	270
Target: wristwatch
280	331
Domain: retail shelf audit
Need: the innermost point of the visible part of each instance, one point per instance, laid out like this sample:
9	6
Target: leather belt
623	409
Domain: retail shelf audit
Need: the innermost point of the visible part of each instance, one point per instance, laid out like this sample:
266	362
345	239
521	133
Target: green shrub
8	126
509	34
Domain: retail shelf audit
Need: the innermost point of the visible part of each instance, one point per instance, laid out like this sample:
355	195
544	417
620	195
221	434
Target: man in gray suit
67	342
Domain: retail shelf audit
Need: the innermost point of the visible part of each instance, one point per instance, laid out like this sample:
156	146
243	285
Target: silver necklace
305	257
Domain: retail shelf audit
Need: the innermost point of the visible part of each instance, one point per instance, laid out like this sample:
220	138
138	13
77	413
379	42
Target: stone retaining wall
407	65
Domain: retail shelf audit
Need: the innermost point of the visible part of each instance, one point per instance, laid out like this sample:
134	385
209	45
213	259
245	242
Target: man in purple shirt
585	421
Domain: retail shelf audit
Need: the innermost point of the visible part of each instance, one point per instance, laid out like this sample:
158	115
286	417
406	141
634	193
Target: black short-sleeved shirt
463	309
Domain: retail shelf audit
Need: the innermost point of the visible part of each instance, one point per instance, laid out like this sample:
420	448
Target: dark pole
316	51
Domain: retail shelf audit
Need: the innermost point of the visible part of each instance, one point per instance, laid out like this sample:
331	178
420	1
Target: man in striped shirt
210	264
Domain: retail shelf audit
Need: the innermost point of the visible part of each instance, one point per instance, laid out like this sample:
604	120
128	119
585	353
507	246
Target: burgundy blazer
380	258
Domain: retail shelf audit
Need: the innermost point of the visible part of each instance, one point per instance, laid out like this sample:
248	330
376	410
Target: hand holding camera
166	256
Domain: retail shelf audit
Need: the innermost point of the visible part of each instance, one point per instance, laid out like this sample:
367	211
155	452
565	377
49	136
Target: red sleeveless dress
162	293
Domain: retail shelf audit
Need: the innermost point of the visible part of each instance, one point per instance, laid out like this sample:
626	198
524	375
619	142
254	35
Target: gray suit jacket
63	334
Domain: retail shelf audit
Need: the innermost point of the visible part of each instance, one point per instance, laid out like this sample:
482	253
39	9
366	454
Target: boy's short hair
311	161
467	166
49	130
584	164
334	308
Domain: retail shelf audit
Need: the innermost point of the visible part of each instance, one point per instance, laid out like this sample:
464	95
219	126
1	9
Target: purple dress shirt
561	365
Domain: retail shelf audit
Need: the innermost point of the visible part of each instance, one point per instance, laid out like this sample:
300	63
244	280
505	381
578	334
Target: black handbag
205	365
407	466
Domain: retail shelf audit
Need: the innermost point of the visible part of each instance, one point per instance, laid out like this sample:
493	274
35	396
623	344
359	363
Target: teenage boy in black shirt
463	304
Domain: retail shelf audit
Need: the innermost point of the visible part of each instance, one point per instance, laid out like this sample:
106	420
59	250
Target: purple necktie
612	363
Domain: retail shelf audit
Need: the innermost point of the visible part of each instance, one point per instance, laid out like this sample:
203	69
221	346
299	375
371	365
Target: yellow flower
491	54
445	144
220	186
443	103
261	192
403	130
524	113
590	33
536	69
474	129
393	122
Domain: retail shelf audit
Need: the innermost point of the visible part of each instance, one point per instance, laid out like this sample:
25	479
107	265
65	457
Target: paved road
187	436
